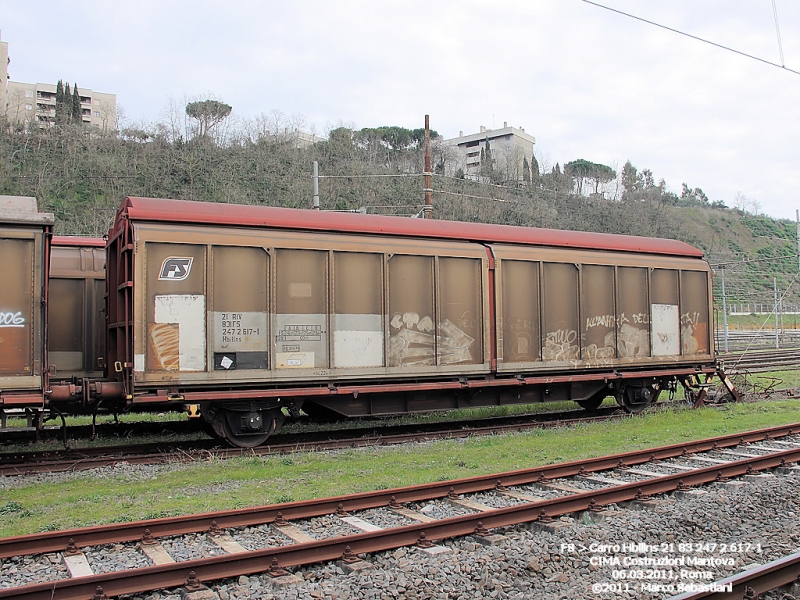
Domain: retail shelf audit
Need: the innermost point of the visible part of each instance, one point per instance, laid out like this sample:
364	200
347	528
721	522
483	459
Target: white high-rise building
509	148
36	102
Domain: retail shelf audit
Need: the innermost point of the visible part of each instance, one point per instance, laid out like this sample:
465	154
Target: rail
274	559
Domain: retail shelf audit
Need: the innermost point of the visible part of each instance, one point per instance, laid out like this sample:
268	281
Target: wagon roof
76	240
212	213
23	209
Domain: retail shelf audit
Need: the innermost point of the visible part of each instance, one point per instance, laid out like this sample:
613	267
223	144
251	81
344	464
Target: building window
96	102
97	113
28	94
28	107
473	144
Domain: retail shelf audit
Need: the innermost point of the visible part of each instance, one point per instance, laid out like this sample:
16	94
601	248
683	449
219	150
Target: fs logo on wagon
175	268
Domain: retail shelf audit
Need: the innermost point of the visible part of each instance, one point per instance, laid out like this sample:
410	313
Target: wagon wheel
593	402
228	424
244	440
635	399
271	421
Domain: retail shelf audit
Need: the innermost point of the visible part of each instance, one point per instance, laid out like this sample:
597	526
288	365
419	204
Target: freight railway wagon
251	313
25	235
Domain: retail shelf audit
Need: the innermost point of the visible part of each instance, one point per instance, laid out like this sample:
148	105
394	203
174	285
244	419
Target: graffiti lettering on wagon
560	345
11	319
694	333
600	321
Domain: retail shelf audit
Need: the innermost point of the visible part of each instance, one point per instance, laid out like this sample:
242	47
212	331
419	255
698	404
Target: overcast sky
586	82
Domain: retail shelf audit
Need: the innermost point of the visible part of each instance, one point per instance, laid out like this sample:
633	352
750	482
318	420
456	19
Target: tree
648	179
208	113
691	196
632	182
601	174
66	109
60	101
526	171
487	162
77	117
579	170
534	170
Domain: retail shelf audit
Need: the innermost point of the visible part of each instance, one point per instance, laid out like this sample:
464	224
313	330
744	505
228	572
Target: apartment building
509	148
30	102
36	102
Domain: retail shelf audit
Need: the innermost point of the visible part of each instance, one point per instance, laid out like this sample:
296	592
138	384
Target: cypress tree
534	169
76	105
66	112
59	100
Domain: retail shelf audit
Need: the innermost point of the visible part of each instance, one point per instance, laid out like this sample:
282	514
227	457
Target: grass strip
123	494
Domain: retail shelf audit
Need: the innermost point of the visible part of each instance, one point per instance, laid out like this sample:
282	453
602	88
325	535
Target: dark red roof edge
212	213
76	240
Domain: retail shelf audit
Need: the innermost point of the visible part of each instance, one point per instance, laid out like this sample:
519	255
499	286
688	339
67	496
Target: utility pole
427	210
775	285
724	312
316	185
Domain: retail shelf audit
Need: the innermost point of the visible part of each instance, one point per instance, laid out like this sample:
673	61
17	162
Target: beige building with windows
36	102
27	102
509	146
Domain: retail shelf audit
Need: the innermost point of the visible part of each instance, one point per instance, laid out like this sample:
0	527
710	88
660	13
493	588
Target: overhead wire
777	30
699	39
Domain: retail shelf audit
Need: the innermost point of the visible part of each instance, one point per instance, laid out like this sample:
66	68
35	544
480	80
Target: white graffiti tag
10	319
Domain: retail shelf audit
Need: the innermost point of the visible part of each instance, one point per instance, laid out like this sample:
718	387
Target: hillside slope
82	176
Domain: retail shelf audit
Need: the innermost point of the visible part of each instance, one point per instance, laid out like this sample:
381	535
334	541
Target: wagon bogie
244	424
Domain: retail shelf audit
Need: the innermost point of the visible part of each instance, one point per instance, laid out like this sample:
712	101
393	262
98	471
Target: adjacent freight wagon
251	313
24	247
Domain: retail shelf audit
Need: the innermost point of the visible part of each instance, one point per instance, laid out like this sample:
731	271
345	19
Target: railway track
24	433
28	463
753	582
482	506
756	361
740	340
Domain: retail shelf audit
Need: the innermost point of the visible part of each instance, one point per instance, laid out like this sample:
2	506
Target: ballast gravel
191	547
699	536
258	538
756	521
116	557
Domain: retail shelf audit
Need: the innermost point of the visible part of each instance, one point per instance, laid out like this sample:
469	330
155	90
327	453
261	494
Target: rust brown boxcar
251	311
24	245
